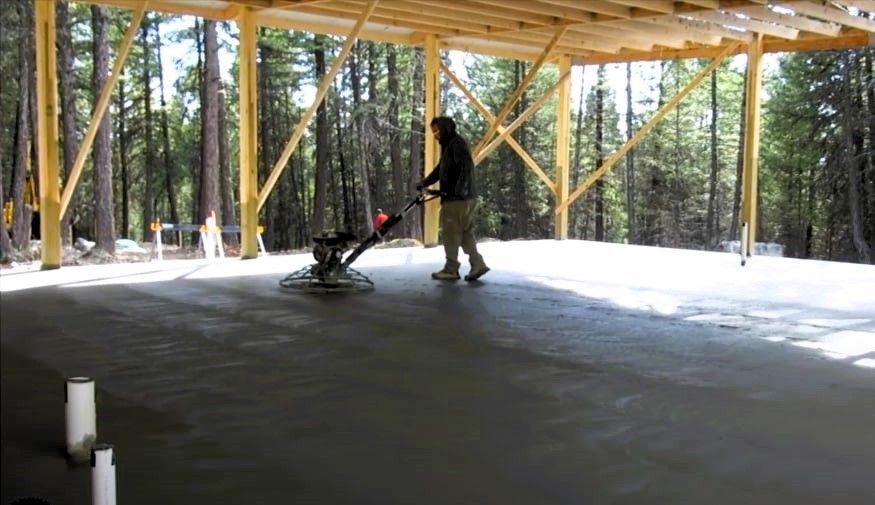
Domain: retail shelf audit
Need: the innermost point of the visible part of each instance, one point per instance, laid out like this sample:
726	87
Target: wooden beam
47	134
248	81
748	24
517	93
850	41
280	165
100	108
661	6
521	119
673	27
691	27
831	14
798	22
596	6
431	220
751	146
641	133
484	111
863	5
537	40
502	50
563	145
274	20
464	8
168	7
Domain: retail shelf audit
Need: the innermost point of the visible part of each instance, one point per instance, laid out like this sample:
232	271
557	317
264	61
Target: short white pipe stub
81	414
102	475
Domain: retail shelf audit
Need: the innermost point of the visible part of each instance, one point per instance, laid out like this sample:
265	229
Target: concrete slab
574	373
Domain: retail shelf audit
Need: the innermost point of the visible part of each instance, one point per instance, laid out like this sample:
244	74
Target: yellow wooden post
248	136
563	145
47	134
432	153
751	146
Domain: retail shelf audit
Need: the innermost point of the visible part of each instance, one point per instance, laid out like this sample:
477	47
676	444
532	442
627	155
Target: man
455	172
380	219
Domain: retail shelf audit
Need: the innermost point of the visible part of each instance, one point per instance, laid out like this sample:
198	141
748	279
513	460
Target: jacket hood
446	127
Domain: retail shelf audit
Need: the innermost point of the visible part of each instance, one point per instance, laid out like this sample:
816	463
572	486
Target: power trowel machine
332	273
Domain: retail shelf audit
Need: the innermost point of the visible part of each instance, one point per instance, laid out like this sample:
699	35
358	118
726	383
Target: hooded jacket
455	170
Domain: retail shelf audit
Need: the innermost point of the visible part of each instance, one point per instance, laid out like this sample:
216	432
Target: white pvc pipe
81	416
102	475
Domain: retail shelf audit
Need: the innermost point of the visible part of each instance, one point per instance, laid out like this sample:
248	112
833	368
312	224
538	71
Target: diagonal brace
100	108
489	117
518	92
308	115
521	119
618	155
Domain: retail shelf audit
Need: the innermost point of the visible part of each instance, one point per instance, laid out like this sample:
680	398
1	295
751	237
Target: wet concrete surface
226	390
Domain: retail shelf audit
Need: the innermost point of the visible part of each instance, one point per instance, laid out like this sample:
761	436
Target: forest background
167	148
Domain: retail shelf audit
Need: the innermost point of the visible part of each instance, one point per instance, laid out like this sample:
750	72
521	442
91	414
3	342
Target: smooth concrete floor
225	390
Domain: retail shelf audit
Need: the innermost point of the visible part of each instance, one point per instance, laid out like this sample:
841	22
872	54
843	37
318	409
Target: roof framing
599	31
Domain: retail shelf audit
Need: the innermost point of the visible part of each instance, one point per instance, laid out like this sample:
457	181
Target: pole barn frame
540	31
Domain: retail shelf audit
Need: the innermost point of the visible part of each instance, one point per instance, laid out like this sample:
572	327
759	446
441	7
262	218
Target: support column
563	145
432	149
751	147
248	136
47	134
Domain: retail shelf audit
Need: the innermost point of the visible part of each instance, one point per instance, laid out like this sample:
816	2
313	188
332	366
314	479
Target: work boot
476	273
450	272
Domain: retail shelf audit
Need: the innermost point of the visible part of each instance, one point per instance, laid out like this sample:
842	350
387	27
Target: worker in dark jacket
455	172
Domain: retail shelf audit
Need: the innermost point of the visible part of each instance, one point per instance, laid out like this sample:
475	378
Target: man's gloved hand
419	186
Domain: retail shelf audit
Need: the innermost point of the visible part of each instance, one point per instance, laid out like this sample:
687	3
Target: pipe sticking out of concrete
102	475
81	416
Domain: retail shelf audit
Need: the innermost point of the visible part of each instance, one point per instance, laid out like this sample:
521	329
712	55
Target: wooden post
432	150
751	145
563	145
47	134
248	136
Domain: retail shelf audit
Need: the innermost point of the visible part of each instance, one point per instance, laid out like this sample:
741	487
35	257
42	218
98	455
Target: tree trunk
414	222
520	201
67	95
169	171
854	164
578	151
149	168
868	81
373	136
104	222
123	158
321	185
400	189
210	197
362	151
630	162
739	164
599	155
21	213
5	242
229	215
715	166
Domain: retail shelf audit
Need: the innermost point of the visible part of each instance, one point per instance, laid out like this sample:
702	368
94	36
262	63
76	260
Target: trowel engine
332	272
